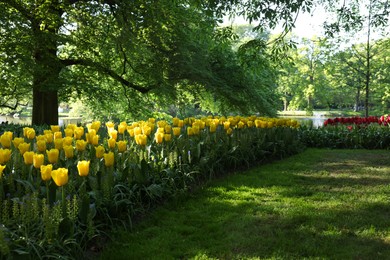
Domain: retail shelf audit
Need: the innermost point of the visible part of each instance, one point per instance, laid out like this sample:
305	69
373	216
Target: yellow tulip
2	167
110	125
181	123
175	121
95	140
195	130
160	130
111	143
109	159
69	151
5	140
146	130
28	157
55	128
213	127
130	130
67	140
226	125
58	143
161	123
17	141
5	155
41	146
122	146
71	126
46	172
122	128
38	160
176	131
89	136
168	129
96	125
113	134
23	147
68	132
78	132
152	120
190	131
167	137
137	130
81	145
57	135
49	137
229	131
240	124
83	168
40	137
52	155
31	134
60	176
141	139
159	137
99	151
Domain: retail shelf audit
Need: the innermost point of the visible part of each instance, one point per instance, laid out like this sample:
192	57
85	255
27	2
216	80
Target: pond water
315	121
27	120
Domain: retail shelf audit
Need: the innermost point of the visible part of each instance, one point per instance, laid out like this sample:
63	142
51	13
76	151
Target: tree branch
19	7
107	71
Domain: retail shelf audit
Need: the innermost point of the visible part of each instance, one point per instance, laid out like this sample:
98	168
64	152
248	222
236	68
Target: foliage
62	188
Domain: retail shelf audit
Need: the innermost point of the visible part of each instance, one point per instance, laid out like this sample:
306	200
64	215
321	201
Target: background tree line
128	59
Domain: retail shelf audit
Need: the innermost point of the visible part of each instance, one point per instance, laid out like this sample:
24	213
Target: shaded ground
321	204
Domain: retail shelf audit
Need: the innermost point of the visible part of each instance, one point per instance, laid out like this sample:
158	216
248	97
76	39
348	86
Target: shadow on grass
292	209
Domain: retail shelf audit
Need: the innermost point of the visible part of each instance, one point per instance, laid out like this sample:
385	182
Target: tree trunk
45	107
357	100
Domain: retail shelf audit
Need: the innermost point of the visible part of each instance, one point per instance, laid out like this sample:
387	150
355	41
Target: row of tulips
382	120
354	132
65	184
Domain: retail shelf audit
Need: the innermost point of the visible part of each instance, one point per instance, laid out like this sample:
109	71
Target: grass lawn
320	204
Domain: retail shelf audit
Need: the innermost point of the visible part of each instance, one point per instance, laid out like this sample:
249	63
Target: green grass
320	204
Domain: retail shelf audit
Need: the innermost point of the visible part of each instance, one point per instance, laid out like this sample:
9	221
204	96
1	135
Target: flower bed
353	132
62	187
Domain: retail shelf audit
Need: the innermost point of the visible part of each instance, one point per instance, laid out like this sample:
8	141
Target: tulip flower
69	132
159	137
141	139
137	130
69	151
109	159
213	127
60	176
190	131
71	126
168	129
58	143
111	143
55	128
99	151
52	155
46	172
176	131
5	140
175	121
38	160
130	130
57	135
81	145
28	157
229	131
146	130
41	146
49	138
122	128
122	146
78	132
113	134
5	155
83	168
30	133
96	125
17	141
23	147
167	137
68	140
110	125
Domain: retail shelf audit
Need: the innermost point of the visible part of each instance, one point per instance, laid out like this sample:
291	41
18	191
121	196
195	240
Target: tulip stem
63	202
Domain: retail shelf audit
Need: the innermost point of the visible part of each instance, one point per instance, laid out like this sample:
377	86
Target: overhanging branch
107	71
